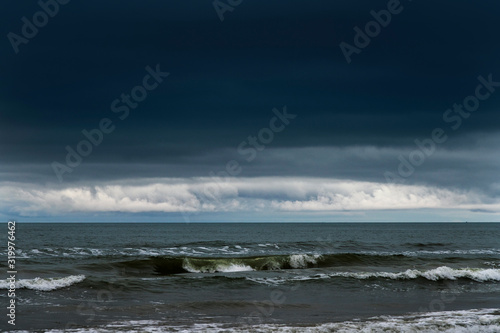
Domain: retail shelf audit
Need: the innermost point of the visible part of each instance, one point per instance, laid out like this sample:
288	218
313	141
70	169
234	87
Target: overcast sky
250	111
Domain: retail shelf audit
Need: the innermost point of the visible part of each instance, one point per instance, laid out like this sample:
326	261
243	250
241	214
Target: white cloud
263	194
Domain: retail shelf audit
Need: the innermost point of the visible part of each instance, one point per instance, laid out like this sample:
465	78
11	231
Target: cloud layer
271	194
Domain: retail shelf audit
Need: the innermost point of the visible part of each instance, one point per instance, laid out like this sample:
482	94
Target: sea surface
255	277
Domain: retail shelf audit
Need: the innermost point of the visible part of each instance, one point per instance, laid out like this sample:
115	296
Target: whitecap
44	284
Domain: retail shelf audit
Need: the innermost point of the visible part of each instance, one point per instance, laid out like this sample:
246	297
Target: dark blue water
256	277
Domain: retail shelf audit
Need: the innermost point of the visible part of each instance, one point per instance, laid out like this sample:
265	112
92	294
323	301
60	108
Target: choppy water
439	277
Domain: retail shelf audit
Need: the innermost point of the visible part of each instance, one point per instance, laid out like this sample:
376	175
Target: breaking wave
364	265
173	265
44	284
464	321
440	273
437	274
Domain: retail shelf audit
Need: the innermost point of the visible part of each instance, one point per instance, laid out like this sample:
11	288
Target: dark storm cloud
227	76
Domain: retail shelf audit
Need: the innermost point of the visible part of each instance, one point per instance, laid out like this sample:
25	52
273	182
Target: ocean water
256	277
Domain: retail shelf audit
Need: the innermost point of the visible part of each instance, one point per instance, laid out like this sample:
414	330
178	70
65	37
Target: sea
254	277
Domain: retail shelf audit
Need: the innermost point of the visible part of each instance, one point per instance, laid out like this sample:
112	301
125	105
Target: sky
250	111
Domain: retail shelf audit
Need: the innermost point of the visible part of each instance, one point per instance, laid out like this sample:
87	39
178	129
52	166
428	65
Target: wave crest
436	274
173	265
44	284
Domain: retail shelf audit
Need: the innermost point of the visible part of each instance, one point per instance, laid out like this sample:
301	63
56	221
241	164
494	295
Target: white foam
45	284
465	321
440	273
470	321
301	260
236	268
78	252
225	250
218	268
96	252
148	252
492	263
434	252
454	252
477	274
269	245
